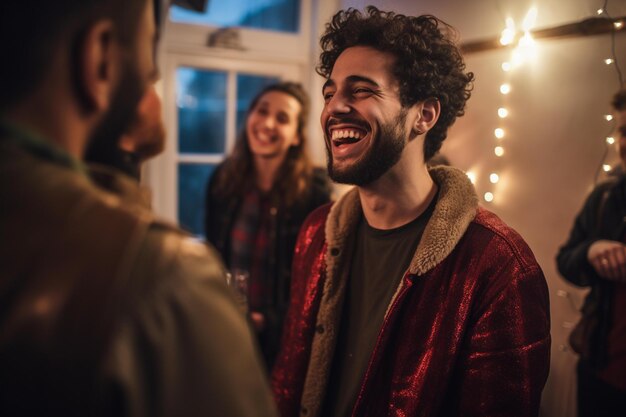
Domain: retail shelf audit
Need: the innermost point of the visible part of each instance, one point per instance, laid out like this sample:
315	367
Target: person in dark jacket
257	199
595	256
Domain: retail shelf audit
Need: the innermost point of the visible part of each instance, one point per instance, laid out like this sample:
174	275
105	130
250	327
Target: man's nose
338	105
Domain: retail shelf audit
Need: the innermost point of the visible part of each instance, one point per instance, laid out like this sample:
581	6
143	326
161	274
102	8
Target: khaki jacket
105	310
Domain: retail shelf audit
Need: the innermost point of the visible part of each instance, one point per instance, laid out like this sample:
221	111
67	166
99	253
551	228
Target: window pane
192	182
278	15
247	87
201	102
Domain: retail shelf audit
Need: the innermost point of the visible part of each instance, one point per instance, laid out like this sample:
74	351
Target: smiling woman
258	198
272	128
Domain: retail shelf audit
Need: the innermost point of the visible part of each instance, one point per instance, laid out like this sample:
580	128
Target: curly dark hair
619	100
429	63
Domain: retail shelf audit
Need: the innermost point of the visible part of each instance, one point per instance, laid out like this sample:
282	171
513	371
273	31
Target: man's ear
97	65
427	116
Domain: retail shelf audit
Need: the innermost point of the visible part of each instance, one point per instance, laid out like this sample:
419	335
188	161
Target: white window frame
162	173
257	43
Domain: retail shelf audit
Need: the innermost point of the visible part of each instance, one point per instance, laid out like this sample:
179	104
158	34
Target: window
263	29
202	102
278	15
207	88
192	181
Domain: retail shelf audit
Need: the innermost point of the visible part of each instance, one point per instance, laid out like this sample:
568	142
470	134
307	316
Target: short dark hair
429	63
619	100
32	31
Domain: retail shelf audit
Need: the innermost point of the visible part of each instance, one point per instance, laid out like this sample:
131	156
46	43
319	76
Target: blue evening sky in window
281	15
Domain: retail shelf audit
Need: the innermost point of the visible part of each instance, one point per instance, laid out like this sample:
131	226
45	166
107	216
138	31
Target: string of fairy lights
525	51
612	61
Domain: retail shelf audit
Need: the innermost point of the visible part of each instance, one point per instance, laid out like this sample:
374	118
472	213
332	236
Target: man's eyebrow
359	78
352	79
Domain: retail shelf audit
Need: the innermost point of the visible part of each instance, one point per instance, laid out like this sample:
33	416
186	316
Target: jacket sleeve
276	312
291	365
505	363
572	256
187	350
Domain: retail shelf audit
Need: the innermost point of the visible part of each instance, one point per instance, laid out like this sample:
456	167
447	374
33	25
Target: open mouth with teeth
263	137
346	136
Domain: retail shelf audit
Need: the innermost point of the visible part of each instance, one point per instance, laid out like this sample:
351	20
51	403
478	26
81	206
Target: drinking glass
237	279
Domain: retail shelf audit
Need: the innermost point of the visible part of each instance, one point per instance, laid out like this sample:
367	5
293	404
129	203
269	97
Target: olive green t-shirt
381	258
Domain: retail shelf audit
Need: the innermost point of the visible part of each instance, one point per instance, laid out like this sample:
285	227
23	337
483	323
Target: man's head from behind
426	66
96	54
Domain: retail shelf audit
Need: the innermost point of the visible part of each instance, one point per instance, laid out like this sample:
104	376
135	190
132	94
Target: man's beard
384	153
103	146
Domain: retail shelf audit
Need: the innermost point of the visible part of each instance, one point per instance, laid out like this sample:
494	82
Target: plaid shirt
249	246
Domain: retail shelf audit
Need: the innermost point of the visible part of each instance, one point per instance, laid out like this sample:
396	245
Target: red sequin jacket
466	333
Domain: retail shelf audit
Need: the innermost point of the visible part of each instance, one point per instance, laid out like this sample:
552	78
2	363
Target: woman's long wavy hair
294	177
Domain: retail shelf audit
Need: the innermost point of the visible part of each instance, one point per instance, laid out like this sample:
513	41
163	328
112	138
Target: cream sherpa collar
454	210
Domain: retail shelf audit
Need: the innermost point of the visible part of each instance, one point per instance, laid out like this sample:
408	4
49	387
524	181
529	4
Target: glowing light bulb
606	167
608	117
526	49
502	112
618	25
599	11
494	178
499	133
608	61
498	150
488	197
610	140
506	66
508	34
505	88
529	19
471	176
